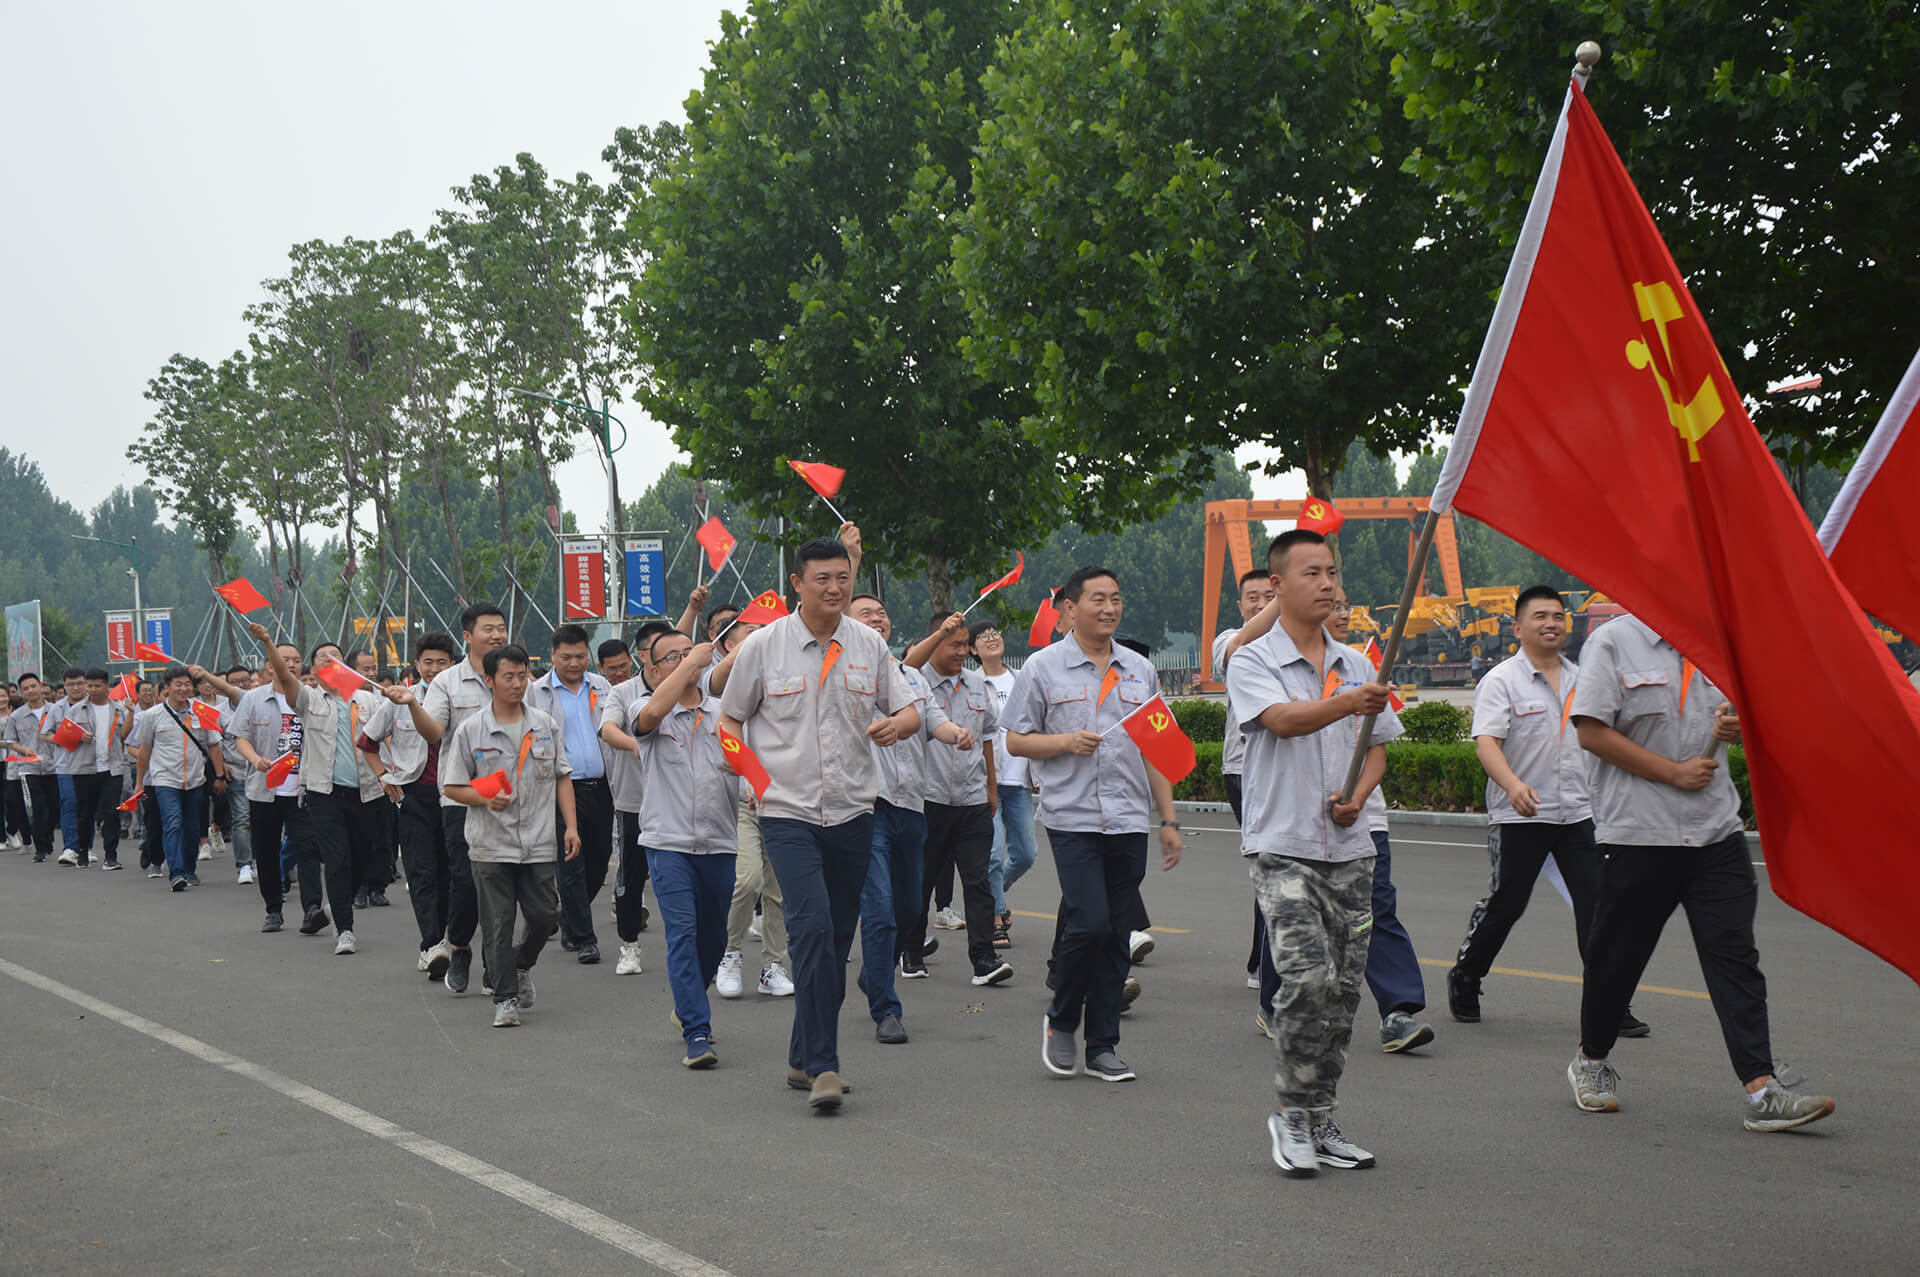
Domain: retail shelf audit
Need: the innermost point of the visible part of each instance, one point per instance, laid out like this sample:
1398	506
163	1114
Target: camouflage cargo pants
1319	921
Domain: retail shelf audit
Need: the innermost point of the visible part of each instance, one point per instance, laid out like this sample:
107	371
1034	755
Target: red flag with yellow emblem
1320	516
745	763
716	541
1160	740
1603	430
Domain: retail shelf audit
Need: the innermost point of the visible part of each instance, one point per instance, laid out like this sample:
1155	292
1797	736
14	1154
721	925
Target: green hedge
1201	719
1435	723
1421	777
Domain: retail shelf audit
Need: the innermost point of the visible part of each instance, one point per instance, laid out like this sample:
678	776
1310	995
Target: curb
1443	819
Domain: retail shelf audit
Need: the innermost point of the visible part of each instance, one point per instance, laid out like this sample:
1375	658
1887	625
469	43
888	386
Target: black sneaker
314	919
378	899
111	865
930	946
273	922
911	968
994	973
458	969
569	944
359	900
589	954
1631	1026
1463	995
890	1031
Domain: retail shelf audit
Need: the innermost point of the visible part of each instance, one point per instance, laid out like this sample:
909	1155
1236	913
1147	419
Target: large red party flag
1602	430
151	652
279	769
764	610
822	478
209	716
68	735
1040	633
745	763
340	677
1373	653
1872	533
1161	742
1019	566
1320	516
491	784
241	594
716	540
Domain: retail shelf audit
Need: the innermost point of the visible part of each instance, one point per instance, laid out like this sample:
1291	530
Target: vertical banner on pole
158	626
646	576
583	581
23	639
120	637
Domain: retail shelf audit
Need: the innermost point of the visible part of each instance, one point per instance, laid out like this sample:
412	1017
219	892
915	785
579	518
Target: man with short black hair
1096	791
570	694
110	722
410	770
42	788
1256	591
263	729
616	662
72	766
175	757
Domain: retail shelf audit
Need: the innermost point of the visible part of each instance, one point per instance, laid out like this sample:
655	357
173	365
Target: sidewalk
1464	820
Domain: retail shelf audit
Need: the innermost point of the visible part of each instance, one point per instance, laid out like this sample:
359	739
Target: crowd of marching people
782	778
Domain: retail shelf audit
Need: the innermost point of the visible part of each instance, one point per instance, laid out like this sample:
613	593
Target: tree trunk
1318	480
442	486
940	581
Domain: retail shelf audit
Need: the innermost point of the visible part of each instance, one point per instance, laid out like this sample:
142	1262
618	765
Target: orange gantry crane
1227	537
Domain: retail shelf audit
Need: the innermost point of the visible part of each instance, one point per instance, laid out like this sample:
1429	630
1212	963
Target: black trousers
1518	851
385	817
45	792
1640	887
151	852
961	838
106	814
273	821
1100	876
423	850
220	811
343	842
86	796
13	805
463	906
633	879
580	879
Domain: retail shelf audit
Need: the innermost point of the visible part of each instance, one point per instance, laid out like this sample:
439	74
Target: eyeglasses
1342	609
986	634
671	658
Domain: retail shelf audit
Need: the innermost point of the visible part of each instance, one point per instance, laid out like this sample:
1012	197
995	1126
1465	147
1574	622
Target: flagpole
1416	575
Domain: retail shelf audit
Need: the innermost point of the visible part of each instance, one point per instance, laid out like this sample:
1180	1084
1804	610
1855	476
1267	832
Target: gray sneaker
1056	1049
526	991
1595	1085
1291	1132
506	1014
1401	1032
1331	1148
1781	1108
1108	1067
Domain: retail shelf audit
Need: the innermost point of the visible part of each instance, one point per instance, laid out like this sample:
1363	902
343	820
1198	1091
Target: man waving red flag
1602	430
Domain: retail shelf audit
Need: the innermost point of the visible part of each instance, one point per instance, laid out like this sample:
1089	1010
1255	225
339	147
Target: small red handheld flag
23	758
127	686
241	594
745	763
491	784
1320	516
822	478
68	735
1373	653
1041	632
1019	566
1159	738
341	678
134	800
716	540
149	652
764	610
209	716
279	769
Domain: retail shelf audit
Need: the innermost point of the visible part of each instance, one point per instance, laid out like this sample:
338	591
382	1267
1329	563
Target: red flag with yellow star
1158	736
1603	430
716	541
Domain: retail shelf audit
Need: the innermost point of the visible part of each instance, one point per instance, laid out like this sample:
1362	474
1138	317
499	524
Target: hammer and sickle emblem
731	746
1316	511
1158	722
1692	417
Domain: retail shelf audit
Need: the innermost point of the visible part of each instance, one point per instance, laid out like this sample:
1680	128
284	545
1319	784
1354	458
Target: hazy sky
163	157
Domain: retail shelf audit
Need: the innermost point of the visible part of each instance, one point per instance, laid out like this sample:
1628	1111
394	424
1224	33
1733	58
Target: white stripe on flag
1900	410
1506	313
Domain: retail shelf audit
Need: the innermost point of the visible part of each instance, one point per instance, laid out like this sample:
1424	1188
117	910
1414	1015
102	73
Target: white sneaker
753	928
344	944
947	920
439	958
629	963
212	847
1139	945
1253	982
423	961
775	982
727	981
248	874
69	857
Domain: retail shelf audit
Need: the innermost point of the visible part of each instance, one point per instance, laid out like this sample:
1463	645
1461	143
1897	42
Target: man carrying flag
175	759
22	740
66	737
809	685
111	724
570	694
263	728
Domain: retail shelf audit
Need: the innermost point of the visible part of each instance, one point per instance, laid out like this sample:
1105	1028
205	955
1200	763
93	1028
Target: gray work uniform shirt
266	721
692	801
1516	705
323	716
1233	742
551	697
456	694
903	765
239	770
958	778
526	832
808	720
1631	680
109	745
403	750
173	764
624	777
1288	781
67	762
22	736
1058	691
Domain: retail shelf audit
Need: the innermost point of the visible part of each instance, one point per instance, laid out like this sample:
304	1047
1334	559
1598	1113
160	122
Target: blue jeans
180	828
240	826
1393	969
76	826
821	869
694	893
1013	847
890	900
1100	877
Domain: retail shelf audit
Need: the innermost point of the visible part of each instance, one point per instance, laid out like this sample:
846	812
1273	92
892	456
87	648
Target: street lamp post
139	561
603	435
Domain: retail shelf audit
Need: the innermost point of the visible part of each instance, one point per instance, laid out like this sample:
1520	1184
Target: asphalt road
330	1115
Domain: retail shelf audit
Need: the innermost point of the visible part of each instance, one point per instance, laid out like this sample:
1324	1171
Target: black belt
591	780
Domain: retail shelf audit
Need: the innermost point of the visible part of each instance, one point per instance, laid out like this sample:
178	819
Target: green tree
1777	143
798	299
1191	230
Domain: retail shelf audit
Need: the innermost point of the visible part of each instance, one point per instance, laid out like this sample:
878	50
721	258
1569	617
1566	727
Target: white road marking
585	1219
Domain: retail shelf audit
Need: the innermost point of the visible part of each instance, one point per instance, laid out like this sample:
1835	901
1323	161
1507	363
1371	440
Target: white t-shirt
1008	770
